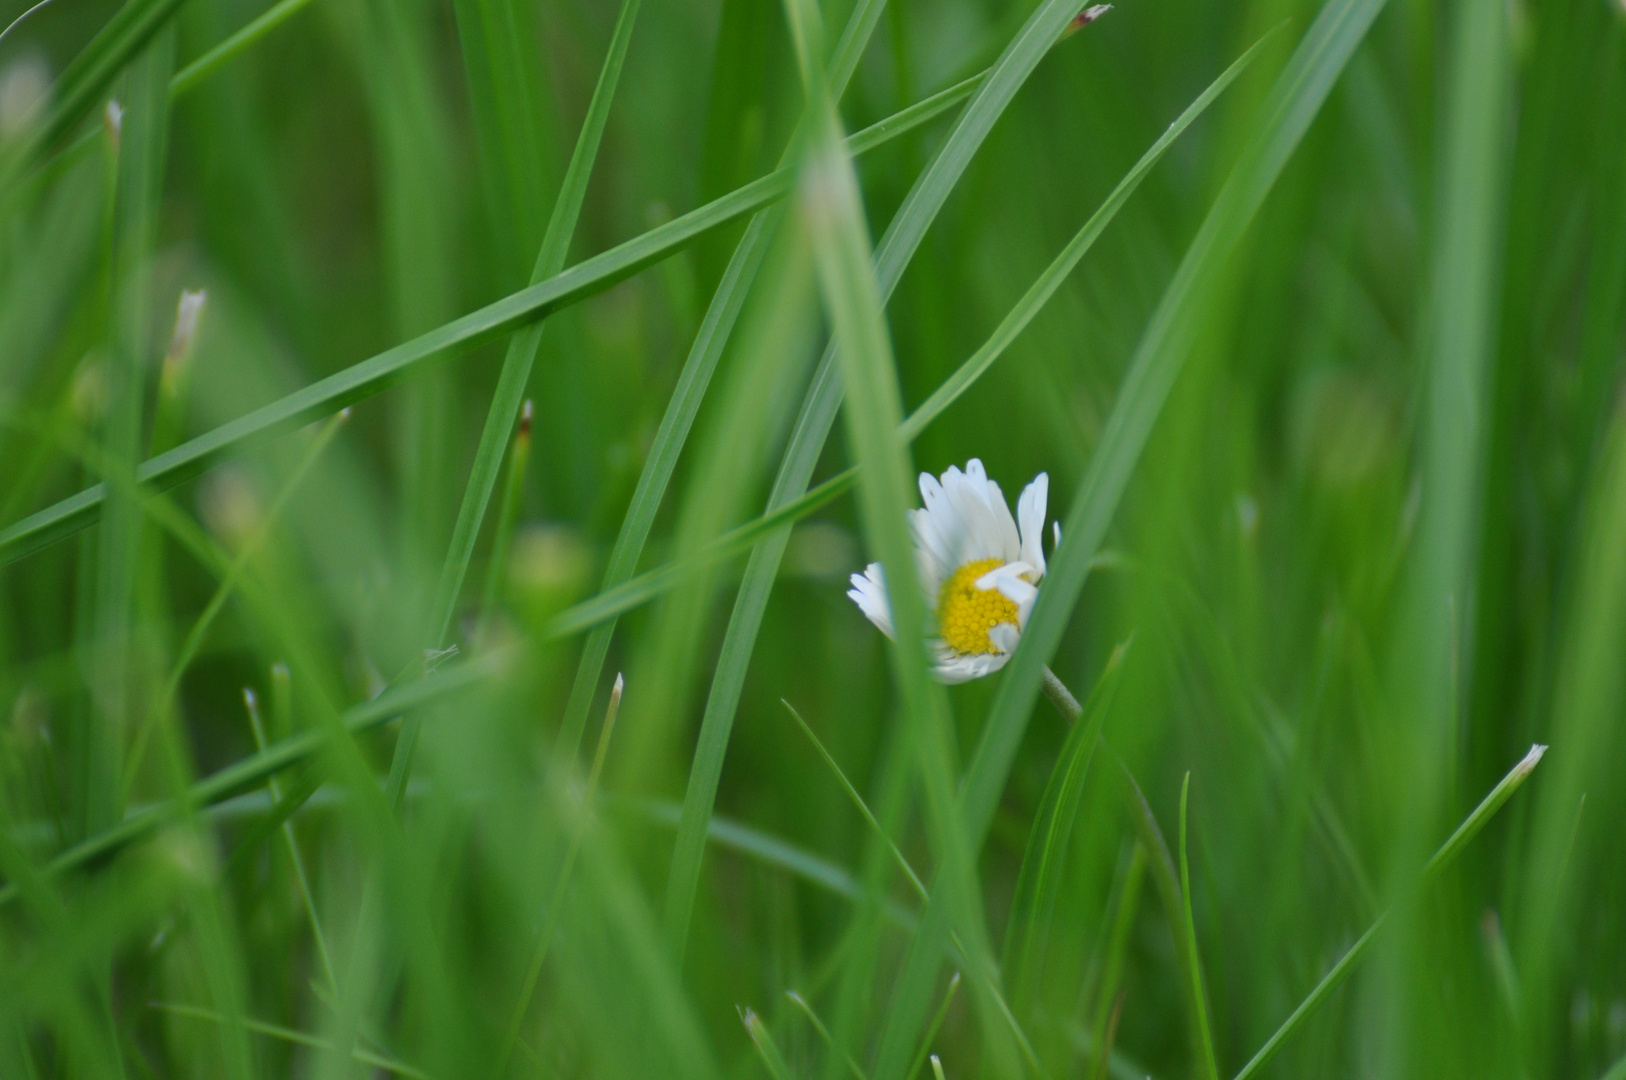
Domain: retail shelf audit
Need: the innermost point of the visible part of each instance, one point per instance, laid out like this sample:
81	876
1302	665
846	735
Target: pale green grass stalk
281	693
142	144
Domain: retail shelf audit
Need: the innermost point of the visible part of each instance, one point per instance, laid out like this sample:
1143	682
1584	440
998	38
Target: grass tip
1531	760
525	419
1085	18
937	1067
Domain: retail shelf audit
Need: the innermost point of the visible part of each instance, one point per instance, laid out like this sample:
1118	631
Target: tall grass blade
1194	969
380	372
140	187
206	66
833	211
1294	101
715	329
896	248
1038	881
1443	856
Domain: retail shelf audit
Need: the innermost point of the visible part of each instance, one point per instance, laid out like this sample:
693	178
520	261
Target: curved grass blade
1194	966
378	373
715	328
1293	103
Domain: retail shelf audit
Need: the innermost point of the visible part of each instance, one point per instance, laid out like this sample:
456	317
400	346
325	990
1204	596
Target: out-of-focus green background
1374	548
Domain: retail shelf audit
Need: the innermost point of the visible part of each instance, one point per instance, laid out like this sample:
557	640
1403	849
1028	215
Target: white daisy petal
955	668
869	593
1010	545
1005	636
1030	512
968	499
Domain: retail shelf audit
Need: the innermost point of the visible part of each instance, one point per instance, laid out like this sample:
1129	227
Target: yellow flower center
966	613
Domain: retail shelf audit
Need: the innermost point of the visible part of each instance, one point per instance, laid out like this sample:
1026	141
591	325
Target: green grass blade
277	1031
1194	966
252	771
1443	856
502	96
90	73
550	921
516	372
812	429
1038	880
1045	286
140	190
934	1027
833	212
715	329
766	1049
204	67
1294	101
516	369
512	498
774	352
372	376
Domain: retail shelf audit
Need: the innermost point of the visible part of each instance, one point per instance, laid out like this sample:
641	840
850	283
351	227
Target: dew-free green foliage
1313	310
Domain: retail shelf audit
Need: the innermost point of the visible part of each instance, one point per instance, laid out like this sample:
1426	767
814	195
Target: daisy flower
979	568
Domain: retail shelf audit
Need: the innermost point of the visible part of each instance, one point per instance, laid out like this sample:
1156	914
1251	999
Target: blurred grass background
1372	549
